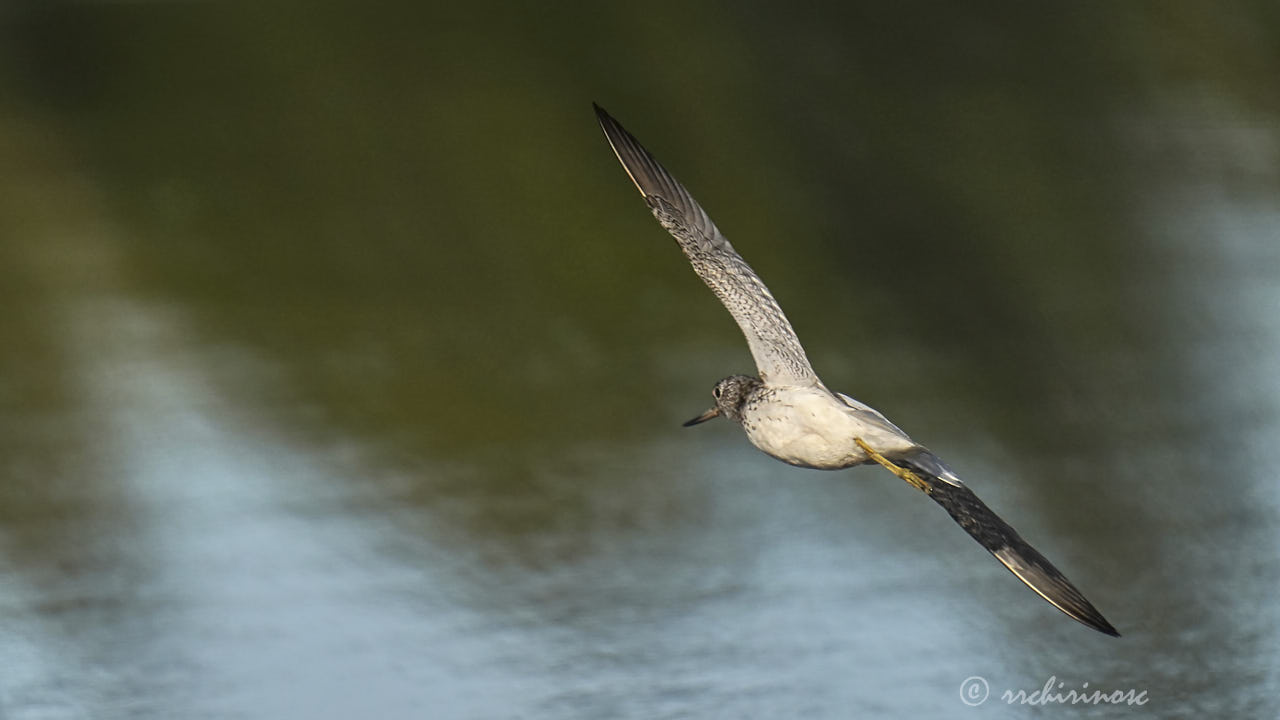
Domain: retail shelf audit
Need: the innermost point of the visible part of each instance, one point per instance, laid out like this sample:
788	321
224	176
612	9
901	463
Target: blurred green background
341	367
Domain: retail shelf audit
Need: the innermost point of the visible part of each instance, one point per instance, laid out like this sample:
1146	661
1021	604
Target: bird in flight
788	413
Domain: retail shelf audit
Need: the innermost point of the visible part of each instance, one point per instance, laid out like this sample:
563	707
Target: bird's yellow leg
911	478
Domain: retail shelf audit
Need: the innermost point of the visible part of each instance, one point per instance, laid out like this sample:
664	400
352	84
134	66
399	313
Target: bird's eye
715	392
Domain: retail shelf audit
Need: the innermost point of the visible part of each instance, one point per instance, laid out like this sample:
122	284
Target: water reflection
330	387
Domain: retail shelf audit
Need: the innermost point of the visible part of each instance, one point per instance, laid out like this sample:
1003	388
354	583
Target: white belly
809	427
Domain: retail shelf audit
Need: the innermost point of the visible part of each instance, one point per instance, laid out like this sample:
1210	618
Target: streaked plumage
789	414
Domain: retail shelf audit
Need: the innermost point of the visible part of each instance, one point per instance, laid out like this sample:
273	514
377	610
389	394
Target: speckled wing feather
1000	539
779	357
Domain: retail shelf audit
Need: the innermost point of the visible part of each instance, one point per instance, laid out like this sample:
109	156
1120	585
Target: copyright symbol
974	691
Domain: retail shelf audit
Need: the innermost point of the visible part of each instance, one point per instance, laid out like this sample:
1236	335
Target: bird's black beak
713	412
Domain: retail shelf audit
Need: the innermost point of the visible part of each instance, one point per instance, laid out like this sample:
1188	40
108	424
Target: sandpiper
789	414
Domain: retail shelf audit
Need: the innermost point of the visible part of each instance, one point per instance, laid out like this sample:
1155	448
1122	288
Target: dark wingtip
1101	625
1048	582
649	177
605	119
1002	541
1089	616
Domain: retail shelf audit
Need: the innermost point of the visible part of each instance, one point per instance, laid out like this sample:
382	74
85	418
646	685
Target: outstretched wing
1000	539
779	357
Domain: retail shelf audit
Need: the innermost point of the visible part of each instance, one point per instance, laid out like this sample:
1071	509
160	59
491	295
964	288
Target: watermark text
975	690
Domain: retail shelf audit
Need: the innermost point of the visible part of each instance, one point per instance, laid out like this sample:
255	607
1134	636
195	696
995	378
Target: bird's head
730	395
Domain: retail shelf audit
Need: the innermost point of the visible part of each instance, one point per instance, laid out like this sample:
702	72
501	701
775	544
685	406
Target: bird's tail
1001	540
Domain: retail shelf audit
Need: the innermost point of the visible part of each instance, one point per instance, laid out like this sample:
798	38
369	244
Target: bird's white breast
810	427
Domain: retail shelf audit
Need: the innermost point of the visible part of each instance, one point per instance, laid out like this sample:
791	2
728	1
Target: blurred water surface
341	369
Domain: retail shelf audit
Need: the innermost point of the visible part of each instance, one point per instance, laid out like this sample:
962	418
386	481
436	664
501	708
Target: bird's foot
911	478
